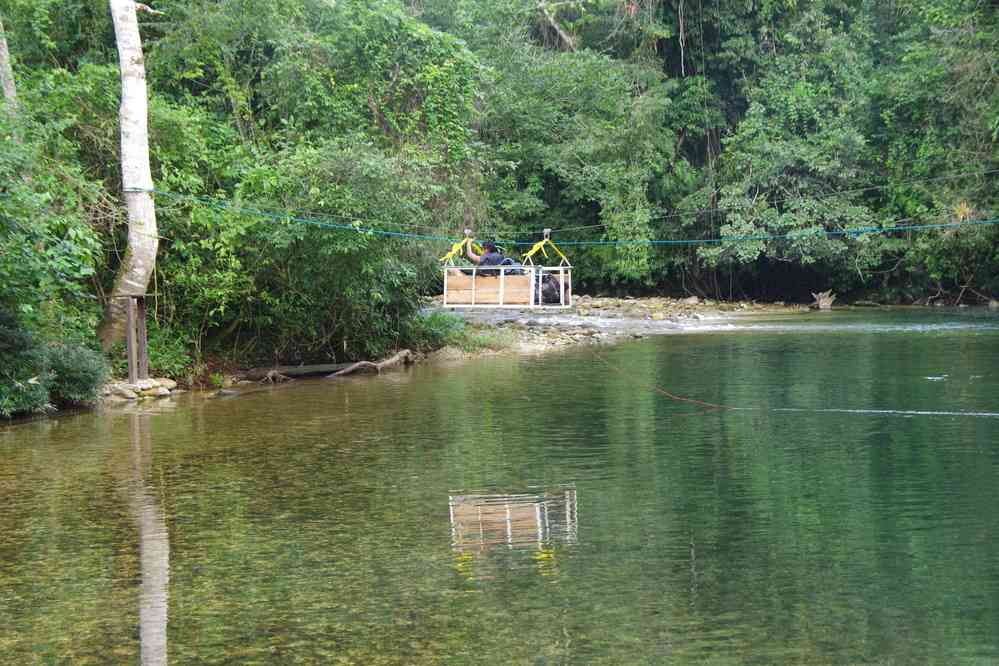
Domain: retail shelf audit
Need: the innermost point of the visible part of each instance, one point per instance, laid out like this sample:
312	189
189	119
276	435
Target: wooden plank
142	339
458	281
516	289
488	297
130	341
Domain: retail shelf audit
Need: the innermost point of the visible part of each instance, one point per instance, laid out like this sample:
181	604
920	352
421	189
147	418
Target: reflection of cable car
528	520
509	285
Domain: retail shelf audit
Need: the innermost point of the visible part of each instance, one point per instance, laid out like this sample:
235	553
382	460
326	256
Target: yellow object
540	246
458	247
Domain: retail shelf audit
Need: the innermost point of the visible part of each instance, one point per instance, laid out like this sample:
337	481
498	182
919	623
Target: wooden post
130	340
136	341
142	338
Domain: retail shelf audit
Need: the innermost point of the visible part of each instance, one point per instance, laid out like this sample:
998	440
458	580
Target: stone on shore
123	391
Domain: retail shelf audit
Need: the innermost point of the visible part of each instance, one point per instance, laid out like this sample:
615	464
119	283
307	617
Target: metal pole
502	283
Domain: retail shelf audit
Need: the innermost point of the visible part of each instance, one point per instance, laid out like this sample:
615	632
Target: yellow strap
540	245
458	247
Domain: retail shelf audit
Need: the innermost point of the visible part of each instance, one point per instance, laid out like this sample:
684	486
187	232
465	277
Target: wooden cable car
525	285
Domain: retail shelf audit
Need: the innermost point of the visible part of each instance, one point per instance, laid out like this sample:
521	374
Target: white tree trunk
6	71
140	256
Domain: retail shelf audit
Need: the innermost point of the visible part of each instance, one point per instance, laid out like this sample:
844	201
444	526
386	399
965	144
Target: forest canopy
787	134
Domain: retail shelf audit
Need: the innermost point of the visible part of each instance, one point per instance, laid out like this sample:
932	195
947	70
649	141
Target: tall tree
137	181
6	71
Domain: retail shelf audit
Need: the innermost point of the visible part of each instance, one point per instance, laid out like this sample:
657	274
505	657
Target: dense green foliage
35	374
614	120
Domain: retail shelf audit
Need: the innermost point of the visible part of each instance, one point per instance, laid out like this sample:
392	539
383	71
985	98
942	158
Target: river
837	506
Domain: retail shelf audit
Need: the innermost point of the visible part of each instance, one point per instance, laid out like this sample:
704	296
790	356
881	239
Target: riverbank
480	332
591	320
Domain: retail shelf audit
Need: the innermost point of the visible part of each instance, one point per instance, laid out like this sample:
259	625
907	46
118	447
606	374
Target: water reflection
154	547
517	521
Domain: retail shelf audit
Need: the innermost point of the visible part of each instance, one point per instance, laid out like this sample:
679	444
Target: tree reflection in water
154	547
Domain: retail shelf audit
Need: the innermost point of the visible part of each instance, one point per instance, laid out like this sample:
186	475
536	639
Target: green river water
534	510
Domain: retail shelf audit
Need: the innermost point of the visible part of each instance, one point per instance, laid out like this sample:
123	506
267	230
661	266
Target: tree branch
564	37
139	7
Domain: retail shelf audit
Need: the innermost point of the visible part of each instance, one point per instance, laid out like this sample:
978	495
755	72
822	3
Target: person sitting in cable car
490	255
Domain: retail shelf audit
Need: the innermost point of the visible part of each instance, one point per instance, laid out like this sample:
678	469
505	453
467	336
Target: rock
122	391
658	316
168	384
156	392
993	305
146	384
116	399
691	300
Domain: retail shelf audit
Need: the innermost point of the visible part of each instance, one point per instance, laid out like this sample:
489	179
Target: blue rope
358	228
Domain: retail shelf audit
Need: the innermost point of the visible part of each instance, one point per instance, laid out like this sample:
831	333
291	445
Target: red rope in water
661	390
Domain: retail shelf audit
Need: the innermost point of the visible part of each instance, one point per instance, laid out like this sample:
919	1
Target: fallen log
404	357
256	374
823	300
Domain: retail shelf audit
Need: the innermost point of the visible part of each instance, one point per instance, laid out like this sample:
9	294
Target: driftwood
291	371
404	357
823	300
275	377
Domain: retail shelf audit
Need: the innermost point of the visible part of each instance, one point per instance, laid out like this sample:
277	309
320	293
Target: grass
474	339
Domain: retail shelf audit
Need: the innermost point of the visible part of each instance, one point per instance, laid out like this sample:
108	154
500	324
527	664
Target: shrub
169	352
22	374
75	374
435	330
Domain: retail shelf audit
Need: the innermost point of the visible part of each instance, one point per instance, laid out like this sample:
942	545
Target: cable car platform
524	286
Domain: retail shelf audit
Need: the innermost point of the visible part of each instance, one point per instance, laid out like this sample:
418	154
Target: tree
137	181
6	71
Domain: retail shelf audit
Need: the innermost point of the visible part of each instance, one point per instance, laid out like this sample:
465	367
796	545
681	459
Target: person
490	255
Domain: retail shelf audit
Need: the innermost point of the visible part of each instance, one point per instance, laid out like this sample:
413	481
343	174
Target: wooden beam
142	340
130	340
